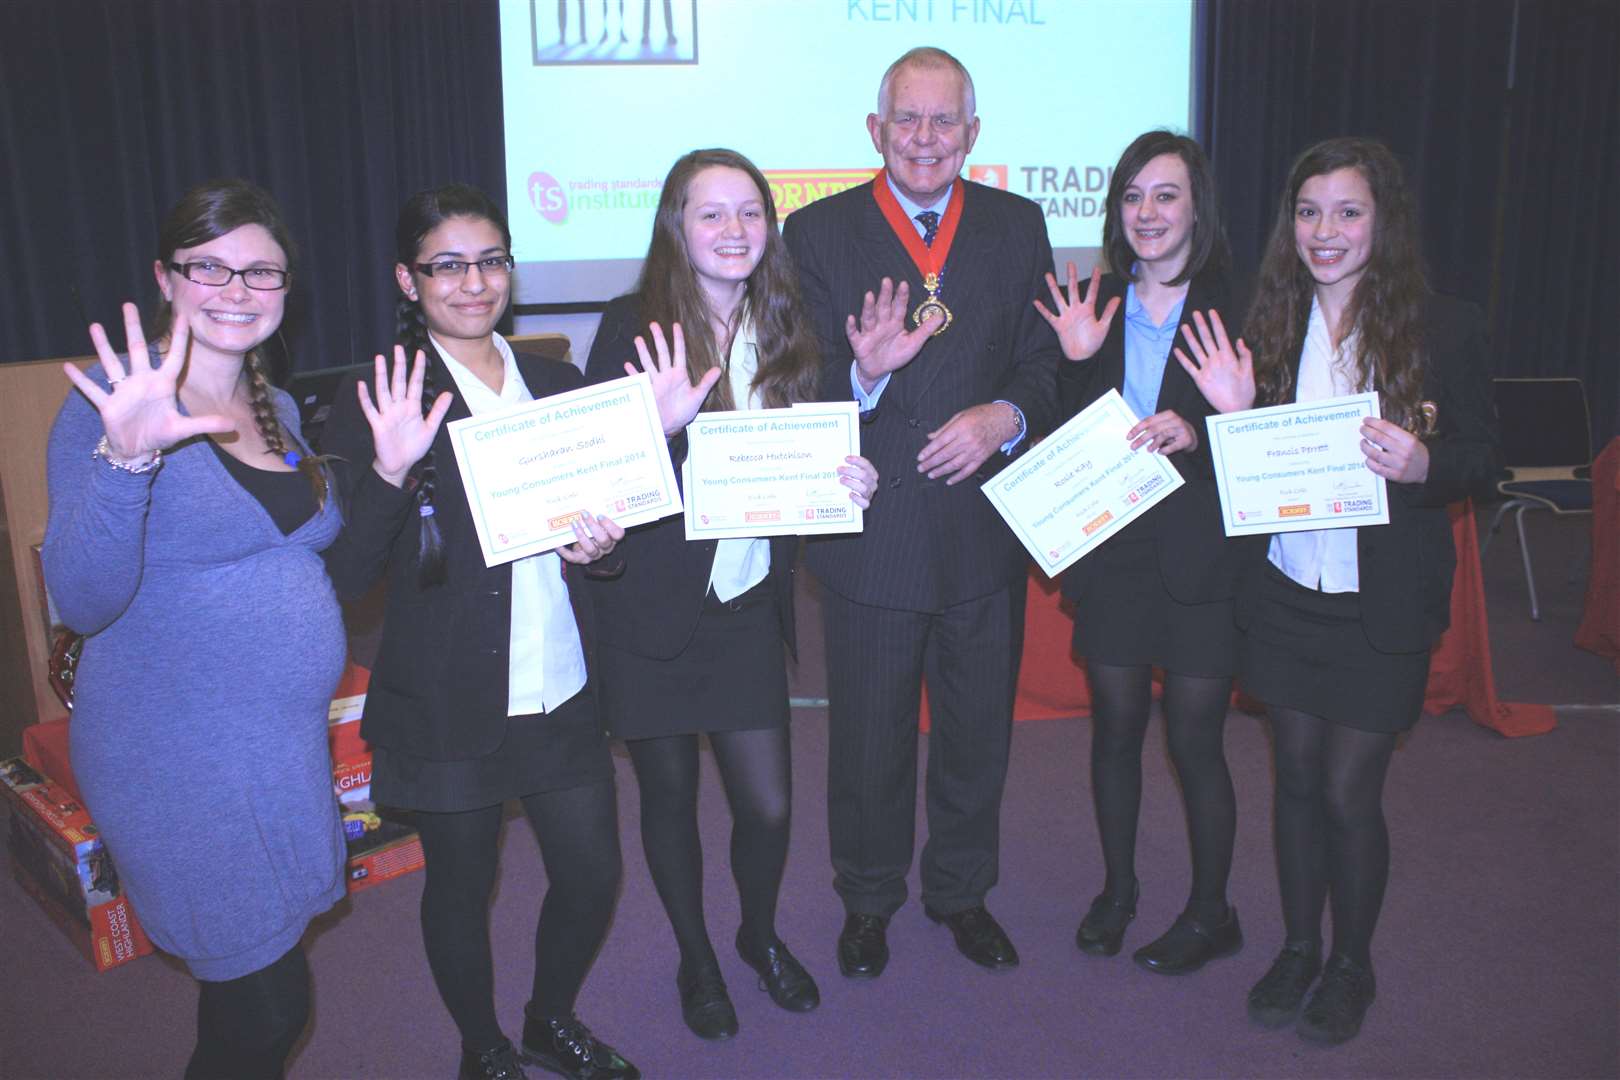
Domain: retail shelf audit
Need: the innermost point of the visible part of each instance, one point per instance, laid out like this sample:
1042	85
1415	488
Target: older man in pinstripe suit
921	288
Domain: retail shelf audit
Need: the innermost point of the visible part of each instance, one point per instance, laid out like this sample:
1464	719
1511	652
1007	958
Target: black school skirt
1306	650
732	676
1128	618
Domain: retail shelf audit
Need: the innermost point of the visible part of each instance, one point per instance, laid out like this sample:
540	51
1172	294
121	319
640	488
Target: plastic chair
1547	449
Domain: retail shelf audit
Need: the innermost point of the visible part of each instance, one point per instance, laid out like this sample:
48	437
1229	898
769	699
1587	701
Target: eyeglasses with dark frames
494	266
207	272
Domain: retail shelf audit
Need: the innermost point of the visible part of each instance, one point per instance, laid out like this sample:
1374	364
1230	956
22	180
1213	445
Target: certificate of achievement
1294	467
770	472
1080	485
531	470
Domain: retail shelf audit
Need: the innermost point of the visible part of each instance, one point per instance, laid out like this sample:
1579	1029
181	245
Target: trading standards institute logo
548	198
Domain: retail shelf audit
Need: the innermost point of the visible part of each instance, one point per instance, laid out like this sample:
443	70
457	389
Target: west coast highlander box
59	859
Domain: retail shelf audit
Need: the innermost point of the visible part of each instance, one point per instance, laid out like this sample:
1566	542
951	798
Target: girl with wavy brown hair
187	523
693	632
1338	623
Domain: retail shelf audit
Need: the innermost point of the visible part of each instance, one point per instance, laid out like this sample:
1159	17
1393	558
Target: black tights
1330	832
247	1026
579	843
756	770
1195	715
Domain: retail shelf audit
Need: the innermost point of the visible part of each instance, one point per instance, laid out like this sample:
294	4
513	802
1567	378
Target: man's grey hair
927	57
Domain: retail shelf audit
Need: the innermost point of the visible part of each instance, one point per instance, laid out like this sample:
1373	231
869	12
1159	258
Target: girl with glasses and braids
1338	623
186	522
481	692
693	632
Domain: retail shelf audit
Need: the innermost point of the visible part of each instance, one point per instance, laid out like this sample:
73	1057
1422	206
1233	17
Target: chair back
1544	423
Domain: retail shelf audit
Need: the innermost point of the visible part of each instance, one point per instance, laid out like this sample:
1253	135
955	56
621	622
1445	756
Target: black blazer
1196	561
1406	567
926	545
440	684
651	605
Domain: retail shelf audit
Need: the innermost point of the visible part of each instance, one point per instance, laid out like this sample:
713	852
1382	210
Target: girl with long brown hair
1338	623
693	633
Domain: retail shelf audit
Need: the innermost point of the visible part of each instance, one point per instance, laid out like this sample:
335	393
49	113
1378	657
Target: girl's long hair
1386	307
421	214
789	362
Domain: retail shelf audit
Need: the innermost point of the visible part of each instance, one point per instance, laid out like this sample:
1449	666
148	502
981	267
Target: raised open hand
1080	329
141	411
879	337
678	400
400	434
1224	373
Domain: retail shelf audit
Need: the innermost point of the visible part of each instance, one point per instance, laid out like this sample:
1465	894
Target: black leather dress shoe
978	937
1276	998
500	1063
1189	944
1102	931
782	976
1335	1011
565	1046
863	946
705	1005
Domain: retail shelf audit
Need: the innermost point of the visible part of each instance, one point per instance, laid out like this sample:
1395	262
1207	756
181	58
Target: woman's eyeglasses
204	272
495	265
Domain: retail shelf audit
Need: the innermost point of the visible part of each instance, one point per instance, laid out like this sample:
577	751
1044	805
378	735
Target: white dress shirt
546	661
740	563
1322	559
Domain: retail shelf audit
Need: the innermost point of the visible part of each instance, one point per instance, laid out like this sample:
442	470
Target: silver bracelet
103	452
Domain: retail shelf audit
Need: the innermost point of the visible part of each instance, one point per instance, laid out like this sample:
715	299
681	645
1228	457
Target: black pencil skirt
1126	617
1306	650
732	676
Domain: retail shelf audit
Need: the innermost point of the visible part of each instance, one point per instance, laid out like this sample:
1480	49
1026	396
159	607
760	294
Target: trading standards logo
794	189
1352	506
1067	191
989	175
548	198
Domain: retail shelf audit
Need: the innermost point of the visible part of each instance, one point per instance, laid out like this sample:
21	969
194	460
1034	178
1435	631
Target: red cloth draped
1599	631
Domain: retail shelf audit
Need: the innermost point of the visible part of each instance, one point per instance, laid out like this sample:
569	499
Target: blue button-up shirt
1147	350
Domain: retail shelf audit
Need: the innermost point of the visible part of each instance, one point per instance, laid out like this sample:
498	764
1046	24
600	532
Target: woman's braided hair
421	214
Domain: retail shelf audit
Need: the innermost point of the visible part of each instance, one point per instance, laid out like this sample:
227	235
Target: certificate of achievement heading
530	471
1080	485
770	472
1289	468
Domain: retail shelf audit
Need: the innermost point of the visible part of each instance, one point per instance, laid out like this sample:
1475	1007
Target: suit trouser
877	660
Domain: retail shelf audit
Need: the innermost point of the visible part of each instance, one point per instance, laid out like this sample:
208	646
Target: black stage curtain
1506	114
341	108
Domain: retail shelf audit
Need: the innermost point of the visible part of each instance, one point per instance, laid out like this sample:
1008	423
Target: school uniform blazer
651	604
927	546
440	683
1406	567
1196	561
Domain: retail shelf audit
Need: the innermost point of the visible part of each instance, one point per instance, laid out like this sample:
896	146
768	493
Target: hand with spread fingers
1080	330
879	338
861	477
1393	452
678	399
141	410
400	433
1224	371
1163	433
966	441
598	536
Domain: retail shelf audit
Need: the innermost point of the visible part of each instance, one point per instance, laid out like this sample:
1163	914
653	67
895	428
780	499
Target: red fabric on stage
1460	670
1052	683
1599	631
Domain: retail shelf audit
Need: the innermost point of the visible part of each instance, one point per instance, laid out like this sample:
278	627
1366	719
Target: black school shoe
705	1005
1189	944
1102	931
565	1046
1275	1000
500	1063
1334	1013
781	975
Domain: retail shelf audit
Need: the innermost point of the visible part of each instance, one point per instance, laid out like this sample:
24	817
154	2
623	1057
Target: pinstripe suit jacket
927	546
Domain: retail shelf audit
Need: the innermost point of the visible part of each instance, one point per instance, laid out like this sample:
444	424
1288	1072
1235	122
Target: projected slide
601	96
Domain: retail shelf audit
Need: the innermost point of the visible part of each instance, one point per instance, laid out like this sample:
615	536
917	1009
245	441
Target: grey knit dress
199	732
